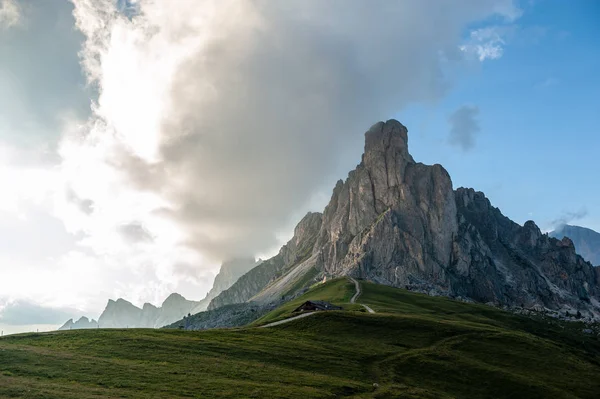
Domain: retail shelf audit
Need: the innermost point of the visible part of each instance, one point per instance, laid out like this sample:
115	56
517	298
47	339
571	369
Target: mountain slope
400	223
587	241
416	346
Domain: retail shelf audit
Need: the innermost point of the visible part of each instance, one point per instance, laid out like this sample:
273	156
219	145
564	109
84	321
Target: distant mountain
230	272
81	324
587	241
123	314
398	222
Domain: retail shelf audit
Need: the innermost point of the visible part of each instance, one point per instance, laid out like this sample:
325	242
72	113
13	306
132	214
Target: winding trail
356	295
353	300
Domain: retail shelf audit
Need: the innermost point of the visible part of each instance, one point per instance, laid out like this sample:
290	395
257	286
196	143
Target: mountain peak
173	298
383	136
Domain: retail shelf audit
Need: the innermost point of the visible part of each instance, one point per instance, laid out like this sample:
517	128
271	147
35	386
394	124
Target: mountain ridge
121	313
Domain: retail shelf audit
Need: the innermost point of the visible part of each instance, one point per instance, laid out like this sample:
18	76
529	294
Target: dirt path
353	300
277	323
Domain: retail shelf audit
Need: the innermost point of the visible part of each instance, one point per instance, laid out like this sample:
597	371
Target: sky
142	143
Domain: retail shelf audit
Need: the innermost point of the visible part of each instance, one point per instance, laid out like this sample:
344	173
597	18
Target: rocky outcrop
81	324
392	220
587	241
291	255
399	222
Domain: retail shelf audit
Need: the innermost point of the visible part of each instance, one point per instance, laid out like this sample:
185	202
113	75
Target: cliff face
587	241
398	222
392	220
497	260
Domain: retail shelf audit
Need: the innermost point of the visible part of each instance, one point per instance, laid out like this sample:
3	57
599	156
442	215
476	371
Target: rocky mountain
587	241
398	222
123	314
81	324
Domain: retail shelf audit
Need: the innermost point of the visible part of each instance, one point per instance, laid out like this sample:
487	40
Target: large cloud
217	120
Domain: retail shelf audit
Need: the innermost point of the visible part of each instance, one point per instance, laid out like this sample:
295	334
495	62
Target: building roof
320	305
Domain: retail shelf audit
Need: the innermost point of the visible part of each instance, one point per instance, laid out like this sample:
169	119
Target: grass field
414	347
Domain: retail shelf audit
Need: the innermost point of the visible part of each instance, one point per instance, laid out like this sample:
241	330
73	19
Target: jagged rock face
298	249
392	220
497	260
587	241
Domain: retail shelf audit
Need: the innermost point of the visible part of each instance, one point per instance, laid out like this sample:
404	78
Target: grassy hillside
337	292
414	347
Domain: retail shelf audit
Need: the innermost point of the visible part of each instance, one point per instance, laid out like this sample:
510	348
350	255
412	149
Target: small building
311	306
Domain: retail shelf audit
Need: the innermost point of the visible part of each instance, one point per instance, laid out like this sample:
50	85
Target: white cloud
10	14
486	43
509	10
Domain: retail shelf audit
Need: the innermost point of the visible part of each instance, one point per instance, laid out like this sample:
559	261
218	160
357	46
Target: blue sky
536	156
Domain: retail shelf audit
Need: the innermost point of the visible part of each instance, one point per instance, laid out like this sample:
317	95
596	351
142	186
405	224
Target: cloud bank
218	119
213	126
